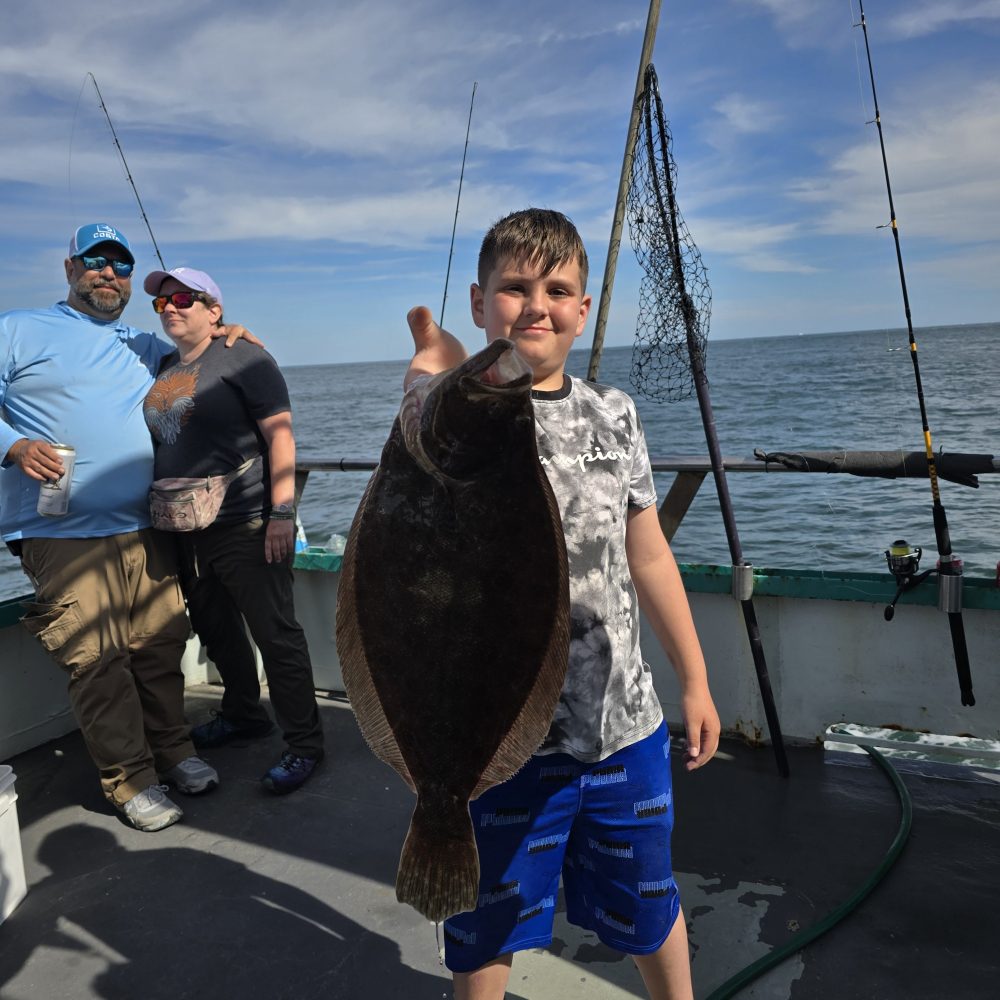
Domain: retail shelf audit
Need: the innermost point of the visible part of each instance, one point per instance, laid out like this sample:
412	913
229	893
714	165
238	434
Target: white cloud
407	219
622	28
805	24
929	17
746	115
942	166
753	246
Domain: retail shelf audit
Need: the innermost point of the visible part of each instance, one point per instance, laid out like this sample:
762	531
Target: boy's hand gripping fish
453	610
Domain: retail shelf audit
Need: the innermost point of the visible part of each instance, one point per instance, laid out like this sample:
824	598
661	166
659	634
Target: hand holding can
53	494
36	458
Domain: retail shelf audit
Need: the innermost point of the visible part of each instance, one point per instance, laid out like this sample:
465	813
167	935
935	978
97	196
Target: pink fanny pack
181	504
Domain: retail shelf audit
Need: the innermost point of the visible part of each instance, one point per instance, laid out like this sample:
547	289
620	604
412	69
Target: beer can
53	495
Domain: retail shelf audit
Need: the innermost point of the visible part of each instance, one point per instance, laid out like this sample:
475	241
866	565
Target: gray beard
103	305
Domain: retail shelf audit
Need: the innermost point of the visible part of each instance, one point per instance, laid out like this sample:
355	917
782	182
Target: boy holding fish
594	804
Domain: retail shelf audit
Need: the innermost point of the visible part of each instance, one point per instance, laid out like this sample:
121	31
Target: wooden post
604	304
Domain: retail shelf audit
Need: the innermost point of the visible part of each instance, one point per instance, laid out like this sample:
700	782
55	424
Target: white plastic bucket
12	884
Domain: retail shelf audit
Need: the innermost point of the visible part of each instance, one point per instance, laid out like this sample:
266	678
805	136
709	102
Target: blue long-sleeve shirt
66	377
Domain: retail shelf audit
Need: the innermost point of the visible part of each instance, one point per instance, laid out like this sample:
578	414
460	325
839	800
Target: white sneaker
191	776
151	810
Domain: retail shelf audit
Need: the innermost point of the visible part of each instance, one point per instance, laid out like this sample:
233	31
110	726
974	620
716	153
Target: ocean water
827	391
851	391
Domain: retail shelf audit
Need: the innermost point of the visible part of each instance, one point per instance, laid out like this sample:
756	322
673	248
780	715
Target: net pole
615	242
667	207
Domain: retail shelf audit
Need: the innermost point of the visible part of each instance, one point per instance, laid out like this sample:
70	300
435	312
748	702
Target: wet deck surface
254	896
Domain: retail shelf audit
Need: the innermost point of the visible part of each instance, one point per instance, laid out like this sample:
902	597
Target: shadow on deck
253	896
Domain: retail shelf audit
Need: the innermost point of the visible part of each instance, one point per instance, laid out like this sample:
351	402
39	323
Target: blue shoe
291	772
219	731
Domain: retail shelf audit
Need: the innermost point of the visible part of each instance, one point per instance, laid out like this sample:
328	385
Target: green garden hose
745	976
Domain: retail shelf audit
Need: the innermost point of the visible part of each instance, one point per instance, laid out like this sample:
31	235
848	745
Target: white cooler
12	885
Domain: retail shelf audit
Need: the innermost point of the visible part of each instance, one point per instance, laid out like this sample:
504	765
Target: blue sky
307	154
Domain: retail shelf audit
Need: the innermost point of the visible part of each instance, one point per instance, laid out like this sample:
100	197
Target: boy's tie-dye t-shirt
592	447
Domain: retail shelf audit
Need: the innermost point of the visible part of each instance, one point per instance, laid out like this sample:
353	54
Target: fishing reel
903	562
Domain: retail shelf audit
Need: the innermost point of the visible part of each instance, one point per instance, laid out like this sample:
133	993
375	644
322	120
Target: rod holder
743	582
949	593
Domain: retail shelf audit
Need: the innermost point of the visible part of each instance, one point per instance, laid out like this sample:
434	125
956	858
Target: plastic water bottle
301	542
335	544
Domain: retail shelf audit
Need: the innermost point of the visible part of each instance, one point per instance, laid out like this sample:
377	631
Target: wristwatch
283	512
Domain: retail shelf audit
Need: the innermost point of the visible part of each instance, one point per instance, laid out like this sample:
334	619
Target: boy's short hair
533	235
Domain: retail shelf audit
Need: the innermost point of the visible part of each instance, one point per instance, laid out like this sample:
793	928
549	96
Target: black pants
226	580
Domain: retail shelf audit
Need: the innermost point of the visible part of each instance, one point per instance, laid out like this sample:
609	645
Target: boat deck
253	896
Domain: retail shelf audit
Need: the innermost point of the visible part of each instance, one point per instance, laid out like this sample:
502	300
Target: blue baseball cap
197	281
97	232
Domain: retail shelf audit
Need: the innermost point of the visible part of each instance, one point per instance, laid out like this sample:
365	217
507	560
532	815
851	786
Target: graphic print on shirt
170	402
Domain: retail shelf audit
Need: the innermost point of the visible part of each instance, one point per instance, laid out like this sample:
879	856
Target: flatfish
453	610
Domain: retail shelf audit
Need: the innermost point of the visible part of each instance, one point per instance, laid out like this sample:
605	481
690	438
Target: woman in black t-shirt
222	416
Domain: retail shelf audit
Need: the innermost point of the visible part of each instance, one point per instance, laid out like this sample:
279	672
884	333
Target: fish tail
439	866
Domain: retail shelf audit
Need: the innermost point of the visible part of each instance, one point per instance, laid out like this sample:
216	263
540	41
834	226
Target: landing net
675	301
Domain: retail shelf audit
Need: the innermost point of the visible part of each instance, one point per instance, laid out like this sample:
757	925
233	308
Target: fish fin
358	682
529	729
439	865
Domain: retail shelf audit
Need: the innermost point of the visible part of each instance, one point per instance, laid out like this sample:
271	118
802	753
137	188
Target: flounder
453	610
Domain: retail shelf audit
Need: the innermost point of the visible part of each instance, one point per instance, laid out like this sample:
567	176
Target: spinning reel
903	562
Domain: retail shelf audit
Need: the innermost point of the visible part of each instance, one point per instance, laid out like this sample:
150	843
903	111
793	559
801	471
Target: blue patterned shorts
604	827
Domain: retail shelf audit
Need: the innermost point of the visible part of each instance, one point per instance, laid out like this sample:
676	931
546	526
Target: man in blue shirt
108	607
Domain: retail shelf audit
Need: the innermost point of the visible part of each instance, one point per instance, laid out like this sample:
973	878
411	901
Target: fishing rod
458	201
128	173
674	279
949	567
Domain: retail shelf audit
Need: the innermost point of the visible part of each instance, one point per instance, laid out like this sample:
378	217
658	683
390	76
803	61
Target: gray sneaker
151	810
191	776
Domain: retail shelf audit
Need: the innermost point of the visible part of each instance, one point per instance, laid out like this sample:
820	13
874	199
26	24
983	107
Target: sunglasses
121	268
182	300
